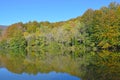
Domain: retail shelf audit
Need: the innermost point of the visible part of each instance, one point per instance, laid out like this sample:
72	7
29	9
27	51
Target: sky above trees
12	11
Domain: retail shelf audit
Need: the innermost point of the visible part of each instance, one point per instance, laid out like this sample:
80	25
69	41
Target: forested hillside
100	26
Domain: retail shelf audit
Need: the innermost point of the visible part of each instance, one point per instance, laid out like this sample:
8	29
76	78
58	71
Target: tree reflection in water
38	65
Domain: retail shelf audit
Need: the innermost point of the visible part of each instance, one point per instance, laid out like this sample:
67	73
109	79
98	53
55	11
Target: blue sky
12	11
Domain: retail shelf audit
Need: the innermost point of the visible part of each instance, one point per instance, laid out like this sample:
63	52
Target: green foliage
17	43
31	26
3	44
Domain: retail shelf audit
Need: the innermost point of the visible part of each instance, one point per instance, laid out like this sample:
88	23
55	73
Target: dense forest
94	37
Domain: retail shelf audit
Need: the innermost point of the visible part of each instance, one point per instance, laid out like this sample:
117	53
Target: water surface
34	67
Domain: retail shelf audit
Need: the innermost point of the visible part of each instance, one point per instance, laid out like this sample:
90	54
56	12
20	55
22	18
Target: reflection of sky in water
6	75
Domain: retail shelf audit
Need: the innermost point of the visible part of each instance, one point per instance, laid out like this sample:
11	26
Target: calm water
7	75
105	65
38	67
